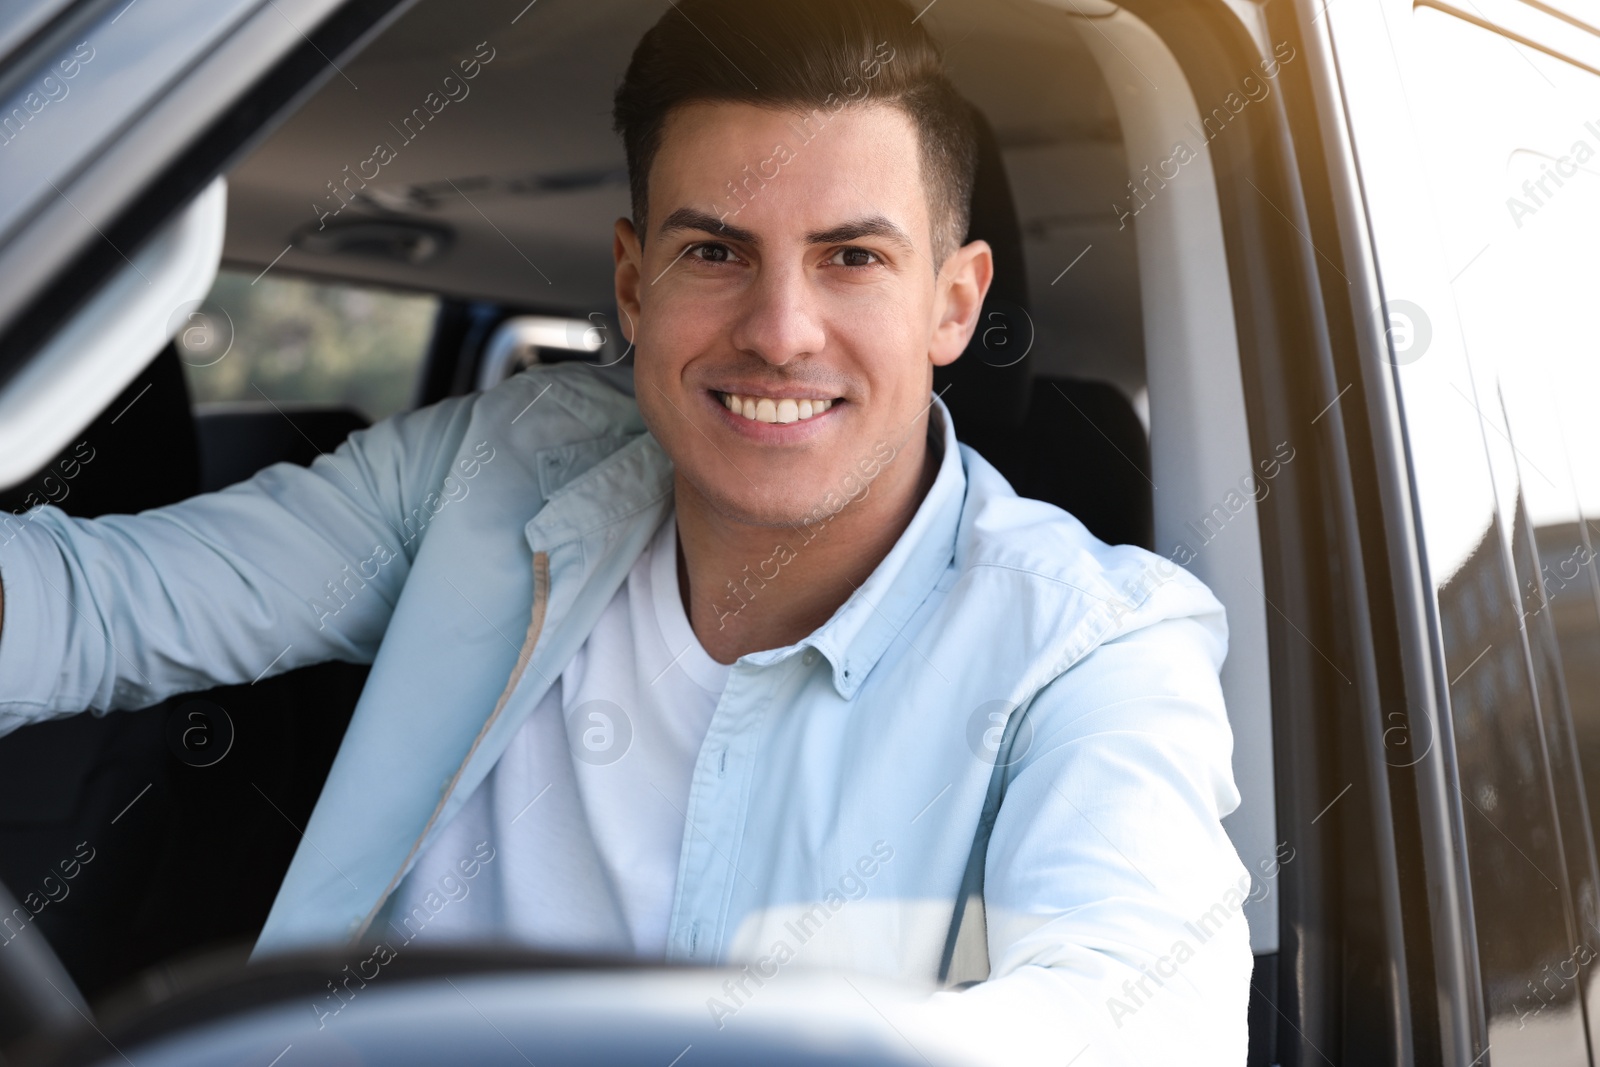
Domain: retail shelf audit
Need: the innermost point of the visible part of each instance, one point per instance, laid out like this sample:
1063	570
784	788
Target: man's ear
963	283
629	258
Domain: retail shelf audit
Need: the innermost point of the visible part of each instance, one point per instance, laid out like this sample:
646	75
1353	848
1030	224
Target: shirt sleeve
1113	896
294	566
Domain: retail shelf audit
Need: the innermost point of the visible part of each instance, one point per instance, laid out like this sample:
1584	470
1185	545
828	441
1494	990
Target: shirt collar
633	483
878	612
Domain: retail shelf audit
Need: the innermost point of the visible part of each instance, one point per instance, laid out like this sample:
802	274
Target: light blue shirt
998	653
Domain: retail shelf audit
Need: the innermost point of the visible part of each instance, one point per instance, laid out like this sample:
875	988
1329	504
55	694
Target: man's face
812	288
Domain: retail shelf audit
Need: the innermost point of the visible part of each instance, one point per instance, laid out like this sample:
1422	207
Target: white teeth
766	409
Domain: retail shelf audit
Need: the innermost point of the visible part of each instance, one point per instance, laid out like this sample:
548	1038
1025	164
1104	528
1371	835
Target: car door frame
1377	944
190	128
1341	556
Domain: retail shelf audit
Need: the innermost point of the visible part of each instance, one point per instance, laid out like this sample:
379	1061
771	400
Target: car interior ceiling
199	852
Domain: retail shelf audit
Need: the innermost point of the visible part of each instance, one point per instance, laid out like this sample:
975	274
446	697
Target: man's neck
748	588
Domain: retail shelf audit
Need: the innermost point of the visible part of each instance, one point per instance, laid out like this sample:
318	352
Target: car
1294	295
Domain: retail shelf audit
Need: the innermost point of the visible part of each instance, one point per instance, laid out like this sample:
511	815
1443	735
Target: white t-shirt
595	781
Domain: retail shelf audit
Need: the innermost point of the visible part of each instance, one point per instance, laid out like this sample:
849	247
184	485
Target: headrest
140	452
988	387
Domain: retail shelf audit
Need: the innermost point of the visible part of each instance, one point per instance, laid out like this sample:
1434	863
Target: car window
265	336
285	339
1508	479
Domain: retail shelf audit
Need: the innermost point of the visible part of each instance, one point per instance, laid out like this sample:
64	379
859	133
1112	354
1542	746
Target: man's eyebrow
688	218
869	226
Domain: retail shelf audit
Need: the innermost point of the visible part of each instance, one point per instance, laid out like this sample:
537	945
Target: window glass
289	340
1506	460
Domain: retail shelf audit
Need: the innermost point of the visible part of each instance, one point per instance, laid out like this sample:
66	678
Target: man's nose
780	319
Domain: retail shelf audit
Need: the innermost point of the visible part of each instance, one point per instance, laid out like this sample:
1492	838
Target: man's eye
854	257
711	253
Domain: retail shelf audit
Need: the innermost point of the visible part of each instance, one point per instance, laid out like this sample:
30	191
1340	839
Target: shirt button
810	658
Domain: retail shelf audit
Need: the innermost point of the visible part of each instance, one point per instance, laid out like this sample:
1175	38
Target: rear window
283	339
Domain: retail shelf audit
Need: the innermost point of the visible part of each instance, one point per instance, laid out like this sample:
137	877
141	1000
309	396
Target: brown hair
814	56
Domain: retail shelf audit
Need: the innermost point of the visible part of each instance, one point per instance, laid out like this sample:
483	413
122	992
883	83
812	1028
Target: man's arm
123	611
1113	896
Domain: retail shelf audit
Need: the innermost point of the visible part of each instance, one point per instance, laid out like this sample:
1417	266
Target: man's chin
769	508
769	514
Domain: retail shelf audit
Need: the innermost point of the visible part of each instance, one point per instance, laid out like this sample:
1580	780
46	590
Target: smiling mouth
778	410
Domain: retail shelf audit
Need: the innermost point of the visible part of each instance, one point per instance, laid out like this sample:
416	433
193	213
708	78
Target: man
739	658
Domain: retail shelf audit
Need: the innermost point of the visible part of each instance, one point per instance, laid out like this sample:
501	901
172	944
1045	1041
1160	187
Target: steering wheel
37	996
